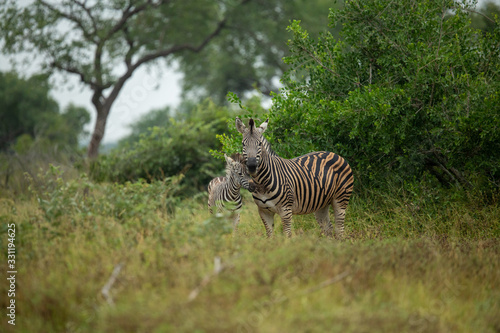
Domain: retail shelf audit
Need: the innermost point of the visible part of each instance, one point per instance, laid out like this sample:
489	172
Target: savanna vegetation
125	243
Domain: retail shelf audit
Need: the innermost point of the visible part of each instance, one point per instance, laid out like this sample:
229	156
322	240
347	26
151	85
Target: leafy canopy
410	88
28	113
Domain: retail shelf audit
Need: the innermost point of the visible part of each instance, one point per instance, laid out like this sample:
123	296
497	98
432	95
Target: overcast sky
149	88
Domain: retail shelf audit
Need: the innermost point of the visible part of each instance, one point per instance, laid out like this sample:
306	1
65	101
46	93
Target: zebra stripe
306	184
222	190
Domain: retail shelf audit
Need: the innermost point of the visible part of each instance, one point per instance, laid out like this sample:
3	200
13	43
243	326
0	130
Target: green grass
408	264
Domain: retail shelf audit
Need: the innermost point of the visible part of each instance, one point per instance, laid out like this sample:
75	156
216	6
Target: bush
411	88
397	96
81	198
180	147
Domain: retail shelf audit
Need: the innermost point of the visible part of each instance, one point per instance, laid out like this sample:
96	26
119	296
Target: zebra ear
240	126
229	160
262	128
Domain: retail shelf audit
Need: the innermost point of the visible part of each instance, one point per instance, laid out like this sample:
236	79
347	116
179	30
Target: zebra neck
265	175
233	185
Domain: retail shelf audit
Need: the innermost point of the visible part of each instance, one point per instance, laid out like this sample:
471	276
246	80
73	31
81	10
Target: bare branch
182	47
218	267
107	287
73	70
130	52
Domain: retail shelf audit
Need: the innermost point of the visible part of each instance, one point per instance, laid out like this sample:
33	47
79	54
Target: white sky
149	88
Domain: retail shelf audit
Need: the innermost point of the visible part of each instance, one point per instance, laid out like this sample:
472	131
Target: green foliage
218	45
28	114
396	97
231	140
484	17
159	117
247	56
81	198
33	133
180	146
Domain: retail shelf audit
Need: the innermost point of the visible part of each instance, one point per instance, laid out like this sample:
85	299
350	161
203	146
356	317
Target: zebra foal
306	184
222	190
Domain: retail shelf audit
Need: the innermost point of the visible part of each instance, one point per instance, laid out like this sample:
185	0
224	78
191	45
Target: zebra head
252	143
236	171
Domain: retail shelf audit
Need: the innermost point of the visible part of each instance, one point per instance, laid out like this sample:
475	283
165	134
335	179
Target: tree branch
155	55
130	52
162	53
475	12
89	14
126	15
71	18
72	70
182	47
105	290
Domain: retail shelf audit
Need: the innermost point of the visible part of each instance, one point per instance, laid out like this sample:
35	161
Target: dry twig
105	290
218	267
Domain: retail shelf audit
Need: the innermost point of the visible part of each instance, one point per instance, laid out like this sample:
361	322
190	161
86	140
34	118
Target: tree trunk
98	134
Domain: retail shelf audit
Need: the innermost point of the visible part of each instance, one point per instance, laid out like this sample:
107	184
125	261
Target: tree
103	42
484	17
159	117
411	88
248	54
24	103
28	112
399	95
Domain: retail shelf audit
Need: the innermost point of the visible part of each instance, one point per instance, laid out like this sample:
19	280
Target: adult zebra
302	185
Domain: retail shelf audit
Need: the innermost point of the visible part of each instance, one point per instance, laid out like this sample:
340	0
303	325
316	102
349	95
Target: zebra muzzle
252	165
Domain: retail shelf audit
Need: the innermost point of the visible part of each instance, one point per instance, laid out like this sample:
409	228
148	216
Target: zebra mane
237	157
267	146
251	124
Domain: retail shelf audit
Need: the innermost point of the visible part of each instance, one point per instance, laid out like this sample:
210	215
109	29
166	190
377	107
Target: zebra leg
323	219
286	219
268	220
339	219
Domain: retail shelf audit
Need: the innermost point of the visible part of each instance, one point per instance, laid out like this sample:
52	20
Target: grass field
130	258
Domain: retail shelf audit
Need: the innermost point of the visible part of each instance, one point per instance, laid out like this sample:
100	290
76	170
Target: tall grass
35	161
131	258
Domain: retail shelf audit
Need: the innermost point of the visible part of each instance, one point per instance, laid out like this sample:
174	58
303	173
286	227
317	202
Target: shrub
396	96
410	89
180	147
81	198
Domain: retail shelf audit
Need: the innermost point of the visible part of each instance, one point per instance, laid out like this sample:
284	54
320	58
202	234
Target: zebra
227	189
302	185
